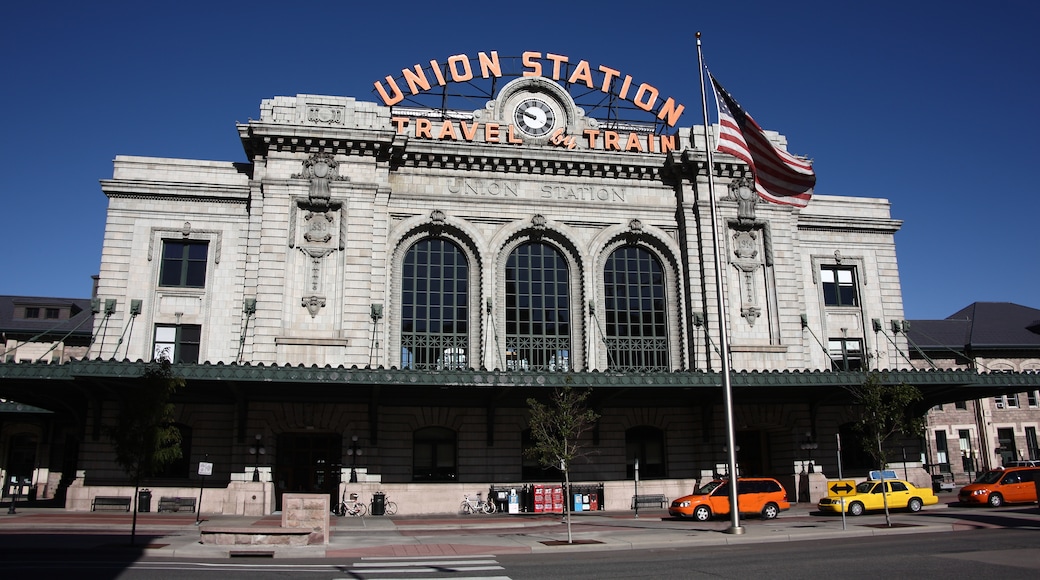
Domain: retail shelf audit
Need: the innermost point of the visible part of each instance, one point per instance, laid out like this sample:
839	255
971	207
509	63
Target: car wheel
701	513
996	500
770	512
855	509
914	505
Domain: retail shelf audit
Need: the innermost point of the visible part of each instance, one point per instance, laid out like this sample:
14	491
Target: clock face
535	117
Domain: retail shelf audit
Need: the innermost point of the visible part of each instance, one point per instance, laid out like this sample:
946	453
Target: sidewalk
176	535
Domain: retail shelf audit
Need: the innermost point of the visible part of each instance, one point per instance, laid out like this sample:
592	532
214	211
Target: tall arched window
636	322
433	454
434	306
537	309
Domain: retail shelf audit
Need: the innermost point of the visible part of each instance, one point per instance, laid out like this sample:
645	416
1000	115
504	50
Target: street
983	553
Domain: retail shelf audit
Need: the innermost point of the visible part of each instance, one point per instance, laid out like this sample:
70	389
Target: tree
143	435
885	410
557	429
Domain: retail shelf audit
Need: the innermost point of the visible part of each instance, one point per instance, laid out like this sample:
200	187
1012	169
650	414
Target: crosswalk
411	567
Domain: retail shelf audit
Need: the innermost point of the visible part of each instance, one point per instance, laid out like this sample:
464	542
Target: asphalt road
984	553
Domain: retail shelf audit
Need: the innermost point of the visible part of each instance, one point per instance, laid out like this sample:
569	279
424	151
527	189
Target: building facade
969	436
376	291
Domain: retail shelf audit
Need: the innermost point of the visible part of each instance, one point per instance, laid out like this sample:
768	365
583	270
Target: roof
981	326
80	322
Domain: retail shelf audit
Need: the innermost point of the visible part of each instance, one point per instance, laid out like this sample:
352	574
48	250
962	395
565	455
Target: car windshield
989	477
708	487
865	487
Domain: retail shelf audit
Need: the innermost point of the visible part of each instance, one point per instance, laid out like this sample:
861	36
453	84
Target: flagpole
727	390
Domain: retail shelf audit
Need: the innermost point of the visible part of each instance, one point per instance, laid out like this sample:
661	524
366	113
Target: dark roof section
78	326
981	326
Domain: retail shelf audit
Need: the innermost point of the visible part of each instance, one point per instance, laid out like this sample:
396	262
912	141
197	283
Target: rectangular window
1031	399
184	263
999	401
846	354
1012	401
961	405
839	286
52	313
1031	443
942	454
32	312
178	343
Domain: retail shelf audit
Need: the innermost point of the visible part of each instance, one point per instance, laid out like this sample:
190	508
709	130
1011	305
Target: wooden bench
176	504
654	500
106	502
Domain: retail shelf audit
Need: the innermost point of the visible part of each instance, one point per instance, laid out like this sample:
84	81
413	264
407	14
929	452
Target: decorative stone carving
744	192
750	313
313	304
318	227
325	114
320	169
745	245
538	221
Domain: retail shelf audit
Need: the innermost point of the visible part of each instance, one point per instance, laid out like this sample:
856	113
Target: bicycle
478	504
353	507
389	507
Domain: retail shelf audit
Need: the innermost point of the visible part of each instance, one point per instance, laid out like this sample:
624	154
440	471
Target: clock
534	117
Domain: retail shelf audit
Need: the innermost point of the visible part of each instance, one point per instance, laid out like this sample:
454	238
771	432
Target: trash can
144	500
378	503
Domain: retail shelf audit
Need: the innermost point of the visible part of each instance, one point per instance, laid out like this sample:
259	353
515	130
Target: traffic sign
842	487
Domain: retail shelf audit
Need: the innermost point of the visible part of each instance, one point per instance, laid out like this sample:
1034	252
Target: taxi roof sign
886	474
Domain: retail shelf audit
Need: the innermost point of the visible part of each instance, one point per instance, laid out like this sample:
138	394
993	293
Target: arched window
537	309
646	444
433	454
434	306
636	326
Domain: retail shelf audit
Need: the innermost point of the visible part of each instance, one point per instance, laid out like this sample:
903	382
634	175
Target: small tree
557	429
143	435
884	411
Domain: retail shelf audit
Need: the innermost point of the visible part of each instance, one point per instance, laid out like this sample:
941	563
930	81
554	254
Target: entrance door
1006	448
751	453
21	462
308	463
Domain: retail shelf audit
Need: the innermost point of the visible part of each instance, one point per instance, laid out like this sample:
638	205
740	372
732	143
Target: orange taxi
755	495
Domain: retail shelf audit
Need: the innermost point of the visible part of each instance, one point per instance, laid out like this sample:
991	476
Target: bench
103	502
654	500
176	504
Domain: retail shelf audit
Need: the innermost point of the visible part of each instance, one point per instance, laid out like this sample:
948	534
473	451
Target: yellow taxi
869	496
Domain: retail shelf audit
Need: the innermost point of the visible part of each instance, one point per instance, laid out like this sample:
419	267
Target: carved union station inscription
561	192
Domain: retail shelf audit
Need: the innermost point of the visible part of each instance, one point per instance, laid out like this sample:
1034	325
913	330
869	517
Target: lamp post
809	446
257	451
354	451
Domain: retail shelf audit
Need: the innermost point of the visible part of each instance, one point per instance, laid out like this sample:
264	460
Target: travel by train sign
536	117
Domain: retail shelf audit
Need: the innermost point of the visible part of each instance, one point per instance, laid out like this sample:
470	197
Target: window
636	323
434	307
537	309
178	344
964	437
1031	443
942	456
1031	399
184	264
846	354
1012	401
179	468
839	286
999	401
52	313
646	444
961	405
32	312
433	454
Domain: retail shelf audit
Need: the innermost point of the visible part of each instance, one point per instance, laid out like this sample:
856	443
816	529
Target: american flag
779	176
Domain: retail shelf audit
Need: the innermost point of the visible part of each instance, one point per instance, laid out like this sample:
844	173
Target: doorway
308	463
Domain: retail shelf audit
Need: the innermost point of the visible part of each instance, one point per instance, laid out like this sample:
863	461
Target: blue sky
930	108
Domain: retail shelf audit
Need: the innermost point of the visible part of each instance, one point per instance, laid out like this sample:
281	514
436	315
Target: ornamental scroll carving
320	169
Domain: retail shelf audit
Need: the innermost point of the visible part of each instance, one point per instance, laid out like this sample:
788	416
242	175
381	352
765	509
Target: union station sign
534	113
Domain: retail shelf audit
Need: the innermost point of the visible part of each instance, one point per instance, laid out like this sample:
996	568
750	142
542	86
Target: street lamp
354	452
257	451
809	445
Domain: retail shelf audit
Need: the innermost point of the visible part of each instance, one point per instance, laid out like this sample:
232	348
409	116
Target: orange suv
755	495
1000	486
